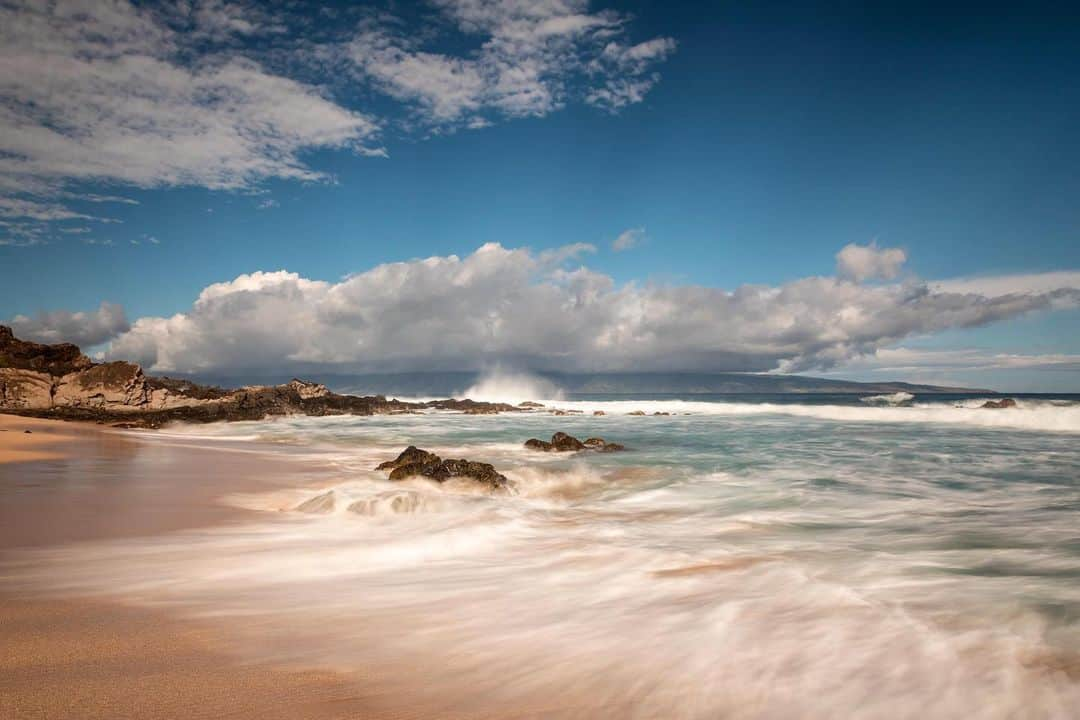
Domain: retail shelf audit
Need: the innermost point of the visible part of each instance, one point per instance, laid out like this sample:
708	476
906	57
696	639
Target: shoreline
27	439
100	657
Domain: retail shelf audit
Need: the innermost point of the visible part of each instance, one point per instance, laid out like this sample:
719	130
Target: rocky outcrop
469	407
25	389
50	359
562	442
59	381
411	455
414	462
602	445
999	404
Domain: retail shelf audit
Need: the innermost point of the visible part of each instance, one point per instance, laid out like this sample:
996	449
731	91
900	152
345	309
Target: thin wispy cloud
226	96
533	59
628	239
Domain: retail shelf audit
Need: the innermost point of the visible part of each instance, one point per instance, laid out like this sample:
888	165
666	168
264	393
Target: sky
866	191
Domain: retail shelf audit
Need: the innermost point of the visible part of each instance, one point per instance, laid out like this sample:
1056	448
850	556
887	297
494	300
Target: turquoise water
740	559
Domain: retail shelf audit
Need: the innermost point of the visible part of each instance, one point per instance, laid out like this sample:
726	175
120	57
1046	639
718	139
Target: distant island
440	384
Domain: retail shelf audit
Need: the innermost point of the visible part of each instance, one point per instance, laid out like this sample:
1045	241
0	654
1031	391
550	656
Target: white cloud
85	329
531	58
908	360
43	211
628	239
219	94
537	311
95	91
868	262
1009	284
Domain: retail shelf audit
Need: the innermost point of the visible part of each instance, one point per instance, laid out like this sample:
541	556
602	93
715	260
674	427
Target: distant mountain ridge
442	384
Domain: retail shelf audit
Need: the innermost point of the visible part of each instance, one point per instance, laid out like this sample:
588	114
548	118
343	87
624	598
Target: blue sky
744	143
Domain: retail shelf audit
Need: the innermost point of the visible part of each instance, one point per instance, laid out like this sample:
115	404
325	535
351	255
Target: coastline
100	657
423	602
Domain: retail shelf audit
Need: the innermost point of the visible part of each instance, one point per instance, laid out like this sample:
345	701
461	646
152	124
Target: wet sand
98	658
26	439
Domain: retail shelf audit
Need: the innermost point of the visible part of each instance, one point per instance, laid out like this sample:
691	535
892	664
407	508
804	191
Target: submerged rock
318	505
598	413
530	404
602	445
396	502
414	462
639	413
562	442
999	404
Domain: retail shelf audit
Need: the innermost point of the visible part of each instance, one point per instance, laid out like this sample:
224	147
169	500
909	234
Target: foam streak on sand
734	563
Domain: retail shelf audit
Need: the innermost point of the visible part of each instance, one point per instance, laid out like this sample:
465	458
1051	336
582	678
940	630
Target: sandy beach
96	658
269	570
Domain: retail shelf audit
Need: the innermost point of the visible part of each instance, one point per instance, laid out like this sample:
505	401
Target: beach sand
97	658
25	439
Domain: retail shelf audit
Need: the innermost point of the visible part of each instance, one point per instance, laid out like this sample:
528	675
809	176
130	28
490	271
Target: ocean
795	556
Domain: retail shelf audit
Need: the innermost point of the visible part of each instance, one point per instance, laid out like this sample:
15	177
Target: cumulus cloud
628	239
534	57
544	311
85	329
869	262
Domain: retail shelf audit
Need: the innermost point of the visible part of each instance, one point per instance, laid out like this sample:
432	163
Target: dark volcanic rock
530	404
999	404
414	462
53	359
473	407
561	442
602	445
411	455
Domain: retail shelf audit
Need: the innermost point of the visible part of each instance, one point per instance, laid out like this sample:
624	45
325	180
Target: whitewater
743	558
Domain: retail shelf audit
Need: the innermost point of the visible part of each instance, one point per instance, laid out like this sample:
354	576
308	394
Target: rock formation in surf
562	442
414	462
999	404
59	381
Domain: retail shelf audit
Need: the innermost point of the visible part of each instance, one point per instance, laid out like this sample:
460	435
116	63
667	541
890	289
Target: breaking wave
1035	415
505	386
897	398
